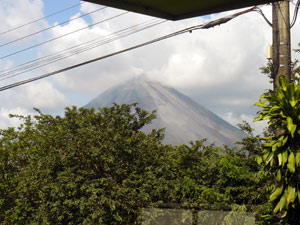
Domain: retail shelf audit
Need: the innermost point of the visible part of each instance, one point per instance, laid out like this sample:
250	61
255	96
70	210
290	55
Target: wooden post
281	42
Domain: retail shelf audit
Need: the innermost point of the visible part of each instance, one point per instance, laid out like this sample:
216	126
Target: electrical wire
259	11
34	21
134	28
51	27
96	59
291	1
74	51
72	32
186	30
295	13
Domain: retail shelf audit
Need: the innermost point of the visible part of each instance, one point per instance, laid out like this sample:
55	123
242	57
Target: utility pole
281	42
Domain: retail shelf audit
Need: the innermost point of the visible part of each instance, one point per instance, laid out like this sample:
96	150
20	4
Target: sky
218	67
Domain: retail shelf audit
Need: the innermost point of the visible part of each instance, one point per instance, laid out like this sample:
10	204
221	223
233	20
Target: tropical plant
281	152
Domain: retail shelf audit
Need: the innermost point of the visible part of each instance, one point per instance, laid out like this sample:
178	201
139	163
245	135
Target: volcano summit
184	119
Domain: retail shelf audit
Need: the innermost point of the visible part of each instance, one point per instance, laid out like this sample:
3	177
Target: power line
134	28
259	11
295	13
190	29
51	27
74	51
53	39
94	60
34	21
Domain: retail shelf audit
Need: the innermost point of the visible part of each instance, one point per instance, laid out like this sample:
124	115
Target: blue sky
219	67
51	6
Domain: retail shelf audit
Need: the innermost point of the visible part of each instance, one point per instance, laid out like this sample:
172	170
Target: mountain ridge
184	119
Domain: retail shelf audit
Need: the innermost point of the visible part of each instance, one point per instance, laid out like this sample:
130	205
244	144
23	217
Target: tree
87	167
222	179
98	167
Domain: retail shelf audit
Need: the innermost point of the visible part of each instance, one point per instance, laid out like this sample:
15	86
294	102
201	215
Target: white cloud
235	119
43	95
6	121
19	12
216	67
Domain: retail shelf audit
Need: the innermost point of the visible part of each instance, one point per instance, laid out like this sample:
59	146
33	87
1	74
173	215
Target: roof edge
139	8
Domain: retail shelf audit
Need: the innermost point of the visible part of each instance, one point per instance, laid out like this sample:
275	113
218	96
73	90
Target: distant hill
183	118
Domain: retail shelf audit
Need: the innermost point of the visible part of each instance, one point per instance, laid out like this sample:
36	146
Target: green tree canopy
99	167
86	167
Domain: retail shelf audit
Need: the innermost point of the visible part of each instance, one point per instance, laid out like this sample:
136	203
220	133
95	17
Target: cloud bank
219	67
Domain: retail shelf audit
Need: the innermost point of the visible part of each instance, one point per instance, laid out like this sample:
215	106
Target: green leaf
258	118
291	194
280	94
259	160
271	161
291	126
274	147
275	107
291	163
276	208
282	203
266	117
284	157
293	102
284	141
266	138
297	159
283	82
265	156
278	177
291	90
262	97
259	104
282	114
279	159
269	144
276	193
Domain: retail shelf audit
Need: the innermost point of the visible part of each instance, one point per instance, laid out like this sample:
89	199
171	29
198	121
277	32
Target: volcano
184	119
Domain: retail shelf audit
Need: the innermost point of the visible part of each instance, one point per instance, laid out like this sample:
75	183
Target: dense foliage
99	167
281	155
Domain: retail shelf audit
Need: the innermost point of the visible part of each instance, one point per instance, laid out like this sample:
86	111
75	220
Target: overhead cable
295	13
34	21
64	35
51	27
75	50
259	11
120	33
186	30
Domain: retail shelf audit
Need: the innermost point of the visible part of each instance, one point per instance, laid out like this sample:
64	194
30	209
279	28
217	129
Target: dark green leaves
291	126
282	109
99	167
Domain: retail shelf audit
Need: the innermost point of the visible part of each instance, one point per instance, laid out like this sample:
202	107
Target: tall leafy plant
281	152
